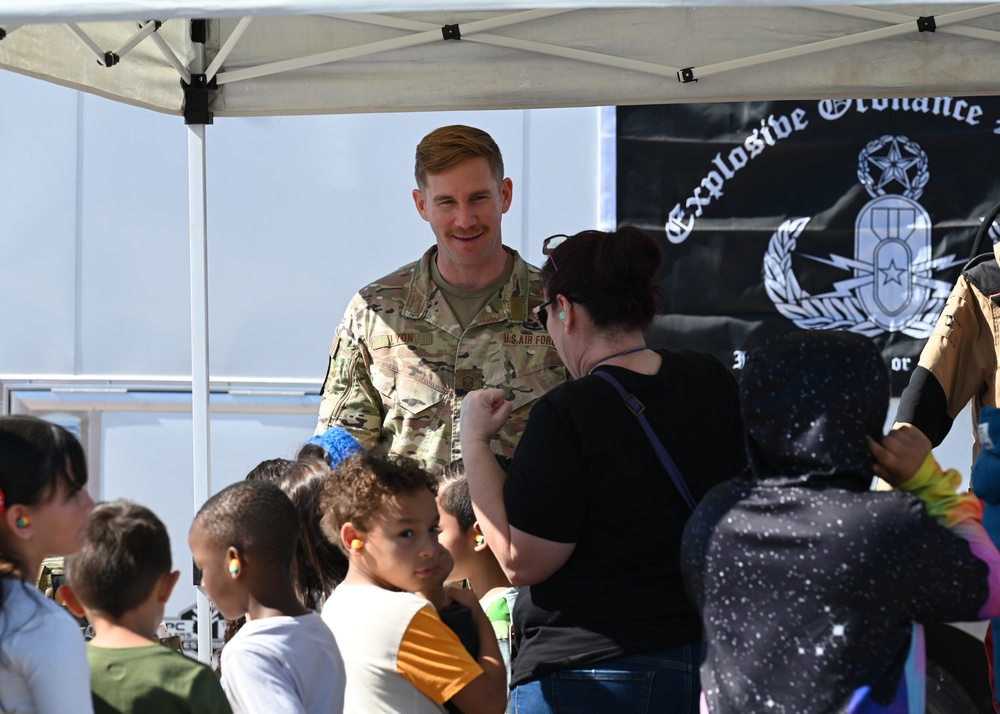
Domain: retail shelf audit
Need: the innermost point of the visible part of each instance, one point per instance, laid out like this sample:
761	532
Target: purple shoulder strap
637	408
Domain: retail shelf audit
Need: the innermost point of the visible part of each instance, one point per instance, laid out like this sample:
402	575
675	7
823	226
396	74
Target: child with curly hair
399	655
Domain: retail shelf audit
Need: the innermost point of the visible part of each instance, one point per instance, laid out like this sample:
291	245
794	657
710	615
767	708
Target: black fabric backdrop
756	205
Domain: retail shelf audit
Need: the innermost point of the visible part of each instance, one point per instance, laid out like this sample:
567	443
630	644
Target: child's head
810	401
319	564
433	589
125	557
243	539
272	470
43	502
333	446
380	510
460	533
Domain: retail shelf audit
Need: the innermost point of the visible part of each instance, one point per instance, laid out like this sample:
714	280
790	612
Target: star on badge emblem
895	166
892	274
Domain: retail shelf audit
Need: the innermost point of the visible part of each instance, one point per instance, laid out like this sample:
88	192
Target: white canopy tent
267	57
264	58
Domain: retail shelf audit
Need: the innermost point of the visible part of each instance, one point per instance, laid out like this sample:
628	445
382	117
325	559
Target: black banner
775	216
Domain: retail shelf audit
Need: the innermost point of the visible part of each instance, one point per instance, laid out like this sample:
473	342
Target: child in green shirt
122	579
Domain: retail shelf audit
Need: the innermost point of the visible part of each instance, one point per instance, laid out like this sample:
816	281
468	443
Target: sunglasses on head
553	242
550	244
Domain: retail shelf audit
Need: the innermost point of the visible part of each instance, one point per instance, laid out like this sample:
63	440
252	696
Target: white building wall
302	212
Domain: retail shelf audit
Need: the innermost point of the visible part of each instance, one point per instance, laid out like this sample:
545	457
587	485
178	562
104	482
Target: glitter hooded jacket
807	582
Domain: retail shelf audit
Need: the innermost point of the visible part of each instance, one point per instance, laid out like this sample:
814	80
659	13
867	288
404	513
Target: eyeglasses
542	314
549	245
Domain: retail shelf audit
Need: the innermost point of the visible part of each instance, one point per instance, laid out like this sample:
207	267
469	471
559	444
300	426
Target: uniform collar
513	303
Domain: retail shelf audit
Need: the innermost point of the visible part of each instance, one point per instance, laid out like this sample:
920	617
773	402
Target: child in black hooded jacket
808	583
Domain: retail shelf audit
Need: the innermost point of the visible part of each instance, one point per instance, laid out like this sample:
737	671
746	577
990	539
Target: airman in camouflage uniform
400	364
413	343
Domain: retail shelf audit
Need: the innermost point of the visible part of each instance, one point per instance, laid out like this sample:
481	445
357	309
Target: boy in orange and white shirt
398	655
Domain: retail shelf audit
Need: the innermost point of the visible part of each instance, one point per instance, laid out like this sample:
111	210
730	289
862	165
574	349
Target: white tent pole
85	39
397	43
171	57
200	426
227	48
905	28
288	65
201	431
596	58
112	57
144	31
867	13
540	48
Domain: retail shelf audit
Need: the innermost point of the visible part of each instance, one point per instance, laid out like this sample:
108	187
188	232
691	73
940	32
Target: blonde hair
444	147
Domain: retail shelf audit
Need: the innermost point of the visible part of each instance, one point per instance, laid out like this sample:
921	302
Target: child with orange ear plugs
399	655
122	579
460	534
283	659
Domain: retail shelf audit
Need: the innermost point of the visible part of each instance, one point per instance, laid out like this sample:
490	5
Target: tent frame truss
198	87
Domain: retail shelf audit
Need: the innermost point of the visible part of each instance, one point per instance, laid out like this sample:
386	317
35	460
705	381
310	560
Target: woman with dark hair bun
590	516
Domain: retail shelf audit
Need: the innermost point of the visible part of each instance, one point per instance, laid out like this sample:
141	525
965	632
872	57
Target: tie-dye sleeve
962	514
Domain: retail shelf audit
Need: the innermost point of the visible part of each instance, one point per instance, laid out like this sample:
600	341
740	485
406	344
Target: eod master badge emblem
891	287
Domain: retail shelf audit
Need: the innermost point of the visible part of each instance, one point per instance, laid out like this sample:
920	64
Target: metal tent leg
200	425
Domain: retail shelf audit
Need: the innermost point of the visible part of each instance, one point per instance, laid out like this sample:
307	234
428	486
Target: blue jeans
661	681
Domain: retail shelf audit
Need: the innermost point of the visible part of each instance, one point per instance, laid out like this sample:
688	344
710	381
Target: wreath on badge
808	312
829	311
913	186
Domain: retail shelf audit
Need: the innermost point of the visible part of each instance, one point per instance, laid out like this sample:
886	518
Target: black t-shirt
585	473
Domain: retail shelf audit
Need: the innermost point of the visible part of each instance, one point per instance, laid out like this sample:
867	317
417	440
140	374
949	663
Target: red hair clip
1	502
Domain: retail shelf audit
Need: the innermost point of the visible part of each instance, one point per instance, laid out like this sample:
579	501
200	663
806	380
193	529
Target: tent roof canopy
23	12
265	57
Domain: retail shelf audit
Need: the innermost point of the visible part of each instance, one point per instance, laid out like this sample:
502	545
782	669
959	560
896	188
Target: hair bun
611	274
626	260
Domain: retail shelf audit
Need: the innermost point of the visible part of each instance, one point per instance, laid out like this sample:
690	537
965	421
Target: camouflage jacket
961	359
400	363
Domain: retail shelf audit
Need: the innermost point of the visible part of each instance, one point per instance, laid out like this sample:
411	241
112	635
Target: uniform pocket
526	388
404	393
